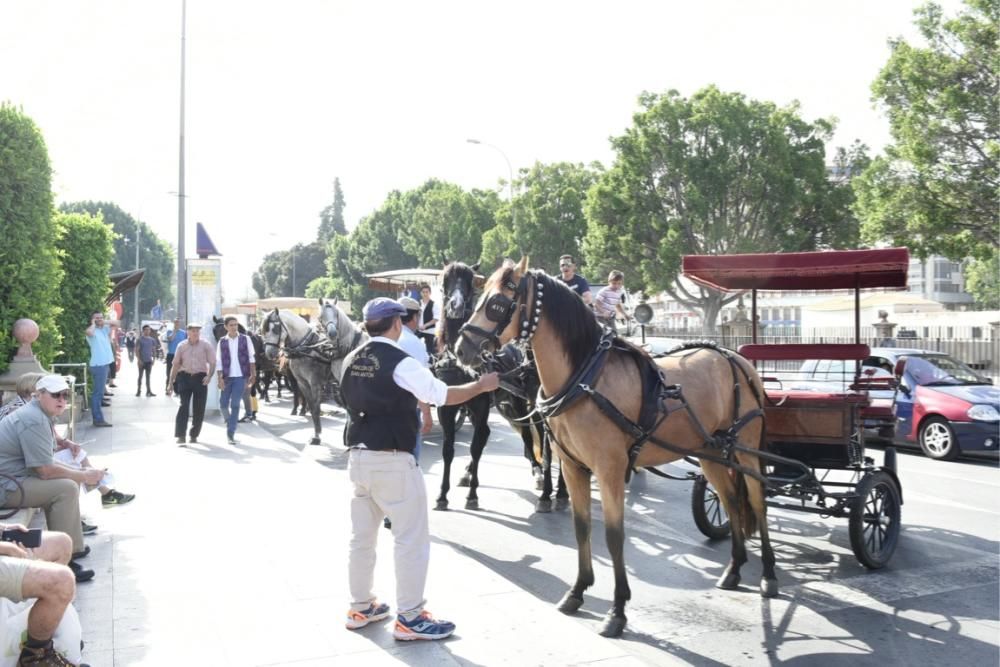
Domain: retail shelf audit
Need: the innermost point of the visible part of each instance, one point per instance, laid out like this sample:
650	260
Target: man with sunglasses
26	445
567	274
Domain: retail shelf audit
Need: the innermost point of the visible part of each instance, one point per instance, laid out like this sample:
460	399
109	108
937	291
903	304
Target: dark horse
595	388
458	282
515	400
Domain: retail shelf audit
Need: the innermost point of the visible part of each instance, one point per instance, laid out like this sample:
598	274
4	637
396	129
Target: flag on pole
204	244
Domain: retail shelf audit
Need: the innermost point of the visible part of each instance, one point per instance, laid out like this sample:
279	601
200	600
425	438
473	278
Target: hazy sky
283	97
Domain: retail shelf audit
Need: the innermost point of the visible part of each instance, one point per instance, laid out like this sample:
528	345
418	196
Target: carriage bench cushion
804	351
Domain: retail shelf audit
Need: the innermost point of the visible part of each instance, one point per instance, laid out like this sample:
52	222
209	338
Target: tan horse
565	335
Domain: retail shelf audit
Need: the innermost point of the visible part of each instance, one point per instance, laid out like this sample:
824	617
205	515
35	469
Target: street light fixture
510	171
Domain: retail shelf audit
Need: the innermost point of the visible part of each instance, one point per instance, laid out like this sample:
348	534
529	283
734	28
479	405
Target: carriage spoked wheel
875	519
706	507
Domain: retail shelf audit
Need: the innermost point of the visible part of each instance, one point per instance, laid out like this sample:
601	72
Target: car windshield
941	370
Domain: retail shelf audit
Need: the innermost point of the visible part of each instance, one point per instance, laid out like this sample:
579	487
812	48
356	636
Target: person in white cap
381	386
26	445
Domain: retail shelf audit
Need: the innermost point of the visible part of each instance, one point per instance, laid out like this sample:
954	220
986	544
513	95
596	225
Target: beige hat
52	384
408	303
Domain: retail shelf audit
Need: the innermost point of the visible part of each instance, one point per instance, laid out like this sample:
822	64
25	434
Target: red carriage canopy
823	270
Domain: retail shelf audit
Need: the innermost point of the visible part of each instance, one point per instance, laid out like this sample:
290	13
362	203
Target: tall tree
442	221
331	218
550	220
85	245
936	188
29	261
717	173
155	255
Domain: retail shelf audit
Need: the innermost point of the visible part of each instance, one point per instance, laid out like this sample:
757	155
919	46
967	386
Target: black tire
937	439
706	508
875	520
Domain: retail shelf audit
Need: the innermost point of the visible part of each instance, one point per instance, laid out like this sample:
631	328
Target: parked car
940	405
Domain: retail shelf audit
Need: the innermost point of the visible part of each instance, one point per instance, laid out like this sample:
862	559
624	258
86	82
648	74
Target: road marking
933	500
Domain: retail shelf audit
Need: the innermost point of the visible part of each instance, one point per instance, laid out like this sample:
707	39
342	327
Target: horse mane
572	320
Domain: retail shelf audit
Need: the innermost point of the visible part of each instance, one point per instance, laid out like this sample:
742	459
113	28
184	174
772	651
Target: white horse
308	353
345	335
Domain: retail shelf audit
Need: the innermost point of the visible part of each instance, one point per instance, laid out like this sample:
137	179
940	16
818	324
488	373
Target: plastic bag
14	631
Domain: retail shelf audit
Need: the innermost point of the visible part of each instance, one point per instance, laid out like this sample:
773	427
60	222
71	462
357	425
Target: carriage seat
815	427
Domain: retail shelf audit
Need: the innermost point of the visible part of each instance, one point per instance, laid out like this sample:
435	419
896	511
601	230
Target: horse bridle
271	324
500	310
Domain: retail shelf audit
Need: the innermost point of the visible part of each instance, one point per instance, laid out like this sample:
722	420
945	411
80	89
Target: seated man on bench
39	573
27	441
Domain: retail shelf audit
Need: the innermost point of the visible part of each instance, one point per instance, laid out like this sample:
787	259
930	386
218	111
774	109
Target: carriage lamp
983	413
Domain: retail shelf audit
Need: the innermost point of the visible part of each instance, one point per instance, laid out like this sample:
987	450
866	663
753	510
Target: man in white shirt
234	354
415	347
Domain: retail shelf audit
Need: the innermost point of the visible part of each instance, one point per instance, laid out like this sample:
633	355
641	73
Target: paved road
936	602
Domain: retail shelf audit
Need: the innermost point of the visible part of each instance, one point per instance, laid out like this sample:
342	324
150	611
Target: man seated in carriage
577	283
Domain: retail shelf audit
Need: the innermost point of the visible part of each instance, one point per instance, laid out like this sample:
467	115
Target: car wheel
937	439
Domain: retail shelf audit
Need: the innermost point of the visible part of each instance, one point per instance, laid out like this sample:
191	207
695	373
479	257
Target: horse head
271	331
328	318
493	322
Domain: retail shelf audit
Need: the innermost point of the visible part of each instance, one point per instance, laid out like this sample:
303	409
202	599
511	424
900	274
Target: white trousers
388	484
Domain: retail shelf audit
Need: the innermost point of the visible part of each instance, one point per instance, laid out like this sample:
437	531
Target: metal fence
982	355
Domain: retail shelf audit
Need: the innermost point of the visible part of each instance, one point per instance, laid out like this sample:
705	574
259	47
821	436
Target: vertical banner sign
204	291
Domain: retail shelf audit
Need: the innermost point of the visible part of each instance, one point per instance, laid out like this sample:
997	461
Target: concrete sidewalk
237	555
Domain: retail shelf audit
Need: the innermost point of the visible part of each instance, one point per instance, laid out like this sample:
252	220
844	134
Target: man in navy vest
381	387
236	367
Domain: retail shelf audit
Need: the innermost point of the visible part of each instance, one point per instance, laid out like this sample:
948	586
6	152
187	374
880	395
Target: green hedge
86	249
29	263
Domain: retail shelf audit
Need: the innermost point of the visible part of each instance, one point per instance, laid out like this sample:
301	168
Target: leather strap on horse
656	392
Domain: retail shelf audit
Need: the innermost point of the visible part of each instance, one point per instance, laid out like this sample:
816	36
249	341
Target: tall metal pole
510	171
293	270
137	230
181	273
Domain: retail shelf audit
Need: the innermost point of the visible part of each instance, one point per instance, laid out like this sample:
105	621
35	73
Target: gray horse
308	352
345	335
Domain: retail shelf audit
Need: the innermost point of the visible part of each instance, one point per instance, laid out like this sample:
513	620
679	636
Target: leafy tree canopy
713	174
441	221
29	259
936	188
550	218
86	250
982	279
156	256
288	272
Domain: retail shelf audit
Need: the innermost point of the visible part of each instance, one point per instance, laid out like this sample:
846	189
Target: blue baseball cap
382	307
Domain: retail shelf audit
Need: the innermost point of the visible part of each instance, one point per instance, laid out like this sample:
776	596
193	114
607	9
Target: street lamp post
137	230
510	171
293	270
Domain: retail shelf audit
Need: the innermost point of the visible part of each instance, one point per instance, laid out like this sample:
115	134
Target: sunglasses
64	395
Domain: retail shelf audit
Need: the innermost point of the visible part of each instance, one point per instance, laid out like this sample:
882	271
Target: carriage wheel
875	520
709	514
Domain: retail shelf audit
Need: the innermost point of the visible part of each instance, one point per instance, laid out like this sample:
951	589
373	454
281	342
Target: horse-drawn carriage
609	409
814	430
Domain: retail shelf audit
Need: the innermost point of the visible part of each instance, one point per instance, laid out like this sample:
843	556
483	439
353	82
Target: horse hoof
570	604
466	480
613	625
544	506
561	504
315	441
441	506
769	588
728	581
472	503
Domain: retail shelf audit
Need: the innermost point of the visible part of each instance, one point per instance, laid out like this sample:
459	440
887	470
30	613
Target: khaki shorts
12	577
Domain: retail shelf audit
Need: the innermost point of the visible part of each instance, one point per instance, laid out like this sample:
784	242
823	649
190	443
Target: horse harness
656	391
313	345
